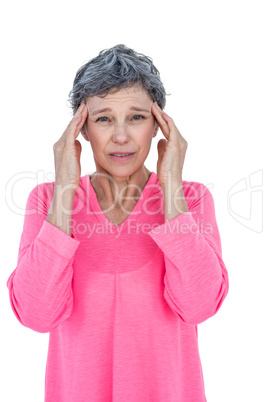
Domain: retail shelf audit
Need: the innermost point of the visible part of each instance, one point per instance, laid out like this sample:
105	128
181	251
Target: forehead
134	95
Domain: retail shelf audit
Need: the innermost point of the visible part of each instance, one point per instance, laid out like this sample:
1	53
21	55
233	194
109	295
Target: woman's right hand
67	151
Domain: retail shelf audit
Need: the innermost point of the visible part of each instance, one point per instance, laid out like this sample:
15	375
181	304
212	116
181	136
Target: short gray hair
113	69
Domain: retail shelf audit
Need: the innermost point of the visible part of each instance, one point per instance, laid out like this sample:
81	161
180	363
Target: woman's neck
114	189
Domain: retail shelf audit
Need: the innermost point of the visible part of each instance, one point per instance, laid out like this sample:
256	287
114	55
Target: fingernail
155	103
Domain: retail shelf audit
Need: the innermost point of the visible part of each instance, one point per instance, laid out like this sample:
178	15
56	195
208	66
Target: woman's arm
40	287
196	279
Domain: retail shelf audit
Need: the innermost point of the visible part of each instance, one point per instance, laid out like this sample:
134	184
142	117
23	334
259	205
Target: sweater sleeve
40	287
196	280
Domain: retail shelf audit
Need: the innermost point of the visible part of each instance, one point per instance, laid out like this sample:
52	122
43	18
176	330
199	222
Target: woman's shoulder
194	187
190	187
196	193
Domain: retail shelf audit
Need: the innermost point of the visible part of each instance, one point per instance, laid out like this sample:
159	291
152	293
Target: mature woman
122	265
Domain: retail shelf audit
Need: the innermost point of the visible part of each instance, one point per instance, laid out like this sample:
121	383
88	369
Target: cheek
96	143
148	132
94	139
93	135
146	141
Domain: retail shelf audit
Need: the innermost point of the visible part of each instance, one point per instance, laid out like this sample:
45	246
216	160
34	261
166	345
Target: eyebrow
107	109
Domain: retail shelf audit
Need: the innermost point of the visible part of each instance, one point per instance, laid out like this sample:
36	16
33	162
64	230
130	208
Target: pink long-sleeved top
121	303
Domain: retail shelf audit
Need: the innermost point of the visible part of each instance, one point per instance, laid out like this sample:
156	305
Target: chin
124	171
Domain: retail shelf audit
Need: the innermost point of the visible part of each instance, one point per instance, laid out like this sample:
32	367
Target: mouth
121	157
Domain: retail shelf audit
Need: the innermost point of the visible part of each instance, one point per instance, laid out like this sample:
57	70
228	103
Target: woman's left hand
171	151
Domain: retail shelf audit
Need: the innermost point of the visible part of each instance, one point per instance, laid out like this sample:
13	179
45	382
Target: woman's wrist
174	199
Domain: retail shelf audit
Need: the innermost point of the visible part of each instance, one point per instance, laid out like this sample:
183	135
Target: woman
120	266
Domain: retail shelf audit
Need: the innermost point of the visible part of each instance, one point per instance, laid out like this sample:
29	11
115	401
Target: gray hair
113	69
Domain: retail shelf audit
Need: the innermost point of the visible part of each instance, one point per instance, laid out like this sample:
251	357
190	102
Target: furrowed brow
107	109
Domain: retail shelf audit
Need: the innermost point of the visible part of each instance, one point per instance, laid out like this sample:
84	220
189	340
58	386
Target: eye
102	118
138	115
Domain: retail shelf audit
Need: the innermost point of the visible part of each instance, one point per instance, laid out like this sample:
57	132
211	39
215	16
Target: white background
212	57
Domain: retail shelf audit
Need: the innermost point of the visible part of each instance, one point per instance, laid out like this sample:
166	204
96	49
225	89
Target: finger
82	115
81	121
169	121
80	109
78	118
173	128
75	119
162	123
75	128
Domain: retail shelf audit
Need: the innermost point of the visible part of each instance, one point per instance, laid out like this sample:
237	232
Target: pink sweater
121	303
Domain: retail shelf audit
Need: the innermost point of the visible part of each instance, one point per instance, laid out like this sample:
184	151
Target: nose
120	134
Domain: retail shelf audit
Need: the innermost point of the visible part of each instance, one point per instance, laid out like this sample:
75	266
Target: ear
85	133
155	129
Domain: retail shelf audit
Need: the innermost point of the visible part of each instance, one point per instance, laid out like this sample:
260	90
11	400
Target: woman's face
121	129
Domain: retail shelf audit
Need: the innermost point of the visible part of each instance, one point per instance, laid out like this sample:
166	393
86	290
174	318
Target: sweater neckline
147	189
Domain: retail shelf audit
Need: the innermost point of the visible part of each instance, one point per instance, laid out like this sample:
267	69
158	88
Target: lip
121	152
121	158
